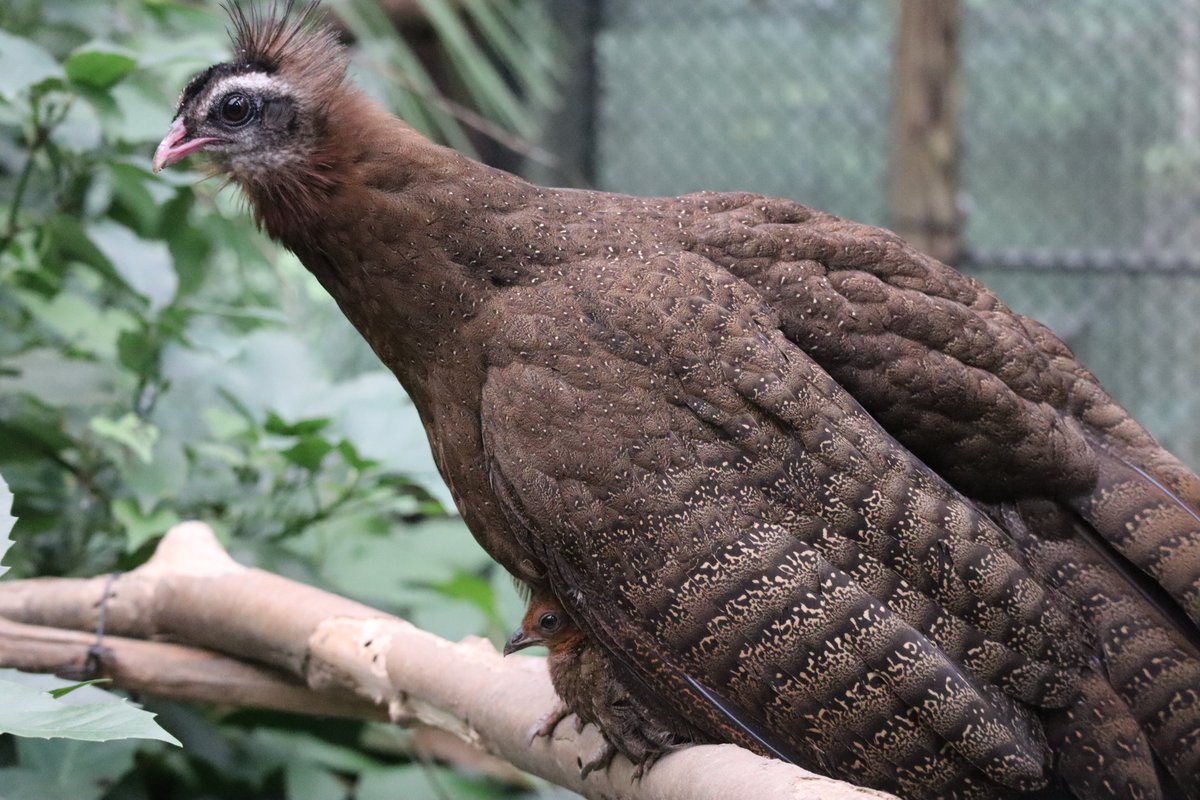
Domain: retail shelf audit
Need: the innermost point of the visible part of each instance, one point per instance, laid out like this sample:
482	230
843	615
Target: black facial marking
279	113
197	84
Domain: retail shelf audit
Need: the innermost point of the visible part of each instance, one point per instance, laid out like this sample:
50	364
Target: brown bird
799	486
584	679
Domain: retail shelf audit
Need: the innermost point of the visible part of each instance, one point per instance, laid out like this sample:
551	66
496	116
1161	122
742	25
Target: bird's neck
402	236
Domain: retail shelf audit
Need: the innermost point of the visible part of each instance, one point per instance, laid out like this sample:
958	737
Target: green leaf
473	589
87	327
79	131
224	424
137	351
140	194
299	747
31	712
140	528
137	435
306	781
98	65
70	240
66	768
145	266
276	425
309	452
23	64
385	784
416	782
56	380
352	457
6	522
63	691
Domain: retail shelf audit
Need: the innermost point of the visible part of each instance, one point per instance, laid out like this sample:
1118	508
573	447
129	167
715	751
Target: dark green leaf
98	65
309	452
350	453
71	241
63	691
137	352
277	426
141	528
471	588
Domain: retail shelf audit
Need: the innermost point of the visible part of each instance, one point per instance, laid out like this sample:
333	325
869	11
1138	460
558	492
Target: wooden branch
313	651
191	674
172	670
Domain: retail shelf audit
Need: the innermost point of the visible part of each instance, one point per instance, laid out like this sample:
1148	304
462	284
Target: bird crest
290	40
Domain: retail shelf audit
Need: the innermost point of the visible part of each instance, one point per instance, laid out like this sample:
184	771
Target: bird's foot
601	760
548	723
645	764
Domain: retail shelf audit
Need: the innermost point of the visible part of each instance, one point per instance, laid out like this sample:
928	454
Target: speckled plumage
797	485
584	679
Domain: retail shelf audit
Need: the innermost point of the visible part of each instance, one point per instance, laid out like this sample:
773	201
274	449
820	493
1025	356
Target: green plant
160	360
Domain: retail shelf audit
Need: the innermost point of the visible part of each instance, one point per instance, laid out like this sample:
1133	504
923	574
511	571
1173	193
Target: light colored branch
335	651
171	670
186	673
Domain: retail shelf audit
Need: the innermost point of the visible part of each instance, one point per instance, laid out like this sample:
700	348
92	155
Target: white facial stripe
246	82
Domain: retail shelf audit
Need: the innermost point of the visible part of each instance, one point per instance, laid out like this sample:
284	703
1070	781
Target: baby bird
586	685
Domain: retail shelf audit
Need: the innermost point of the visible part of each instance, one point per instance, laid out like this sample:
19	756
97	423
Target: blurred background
161	360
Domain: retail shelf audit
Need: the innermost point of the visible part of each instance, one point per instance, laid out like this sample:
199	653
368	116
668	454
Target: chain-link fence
1080	140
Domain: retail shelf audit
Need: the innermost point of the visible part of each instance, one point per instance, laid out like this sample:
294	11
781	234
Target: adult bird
799	486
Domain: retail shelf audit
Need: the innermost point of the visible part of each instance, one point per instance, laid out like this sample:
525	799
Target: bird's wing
741	535
1151	670
992	400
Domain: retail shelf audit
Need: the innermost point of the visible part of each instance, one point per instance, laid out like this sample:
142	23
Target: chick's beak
175	145
519	641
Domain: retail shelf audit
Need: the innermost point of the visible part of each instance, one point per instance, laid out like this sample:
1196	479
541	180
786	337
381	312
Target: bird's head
264	117
545	624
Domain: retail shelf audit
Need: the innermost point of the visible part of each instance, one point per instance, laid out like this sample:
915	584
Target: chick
588	688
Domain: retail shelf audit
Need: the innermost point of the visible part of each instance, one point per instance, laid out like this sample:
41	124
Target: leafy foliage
28	711
160	361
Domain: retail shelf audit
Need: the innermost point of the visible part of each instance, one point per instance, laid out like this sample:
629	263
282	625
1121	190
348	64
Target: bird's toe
601	760
547	724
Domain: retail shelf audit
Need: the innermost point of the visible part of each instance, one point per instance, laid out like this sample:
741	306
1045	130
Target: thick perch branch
315	652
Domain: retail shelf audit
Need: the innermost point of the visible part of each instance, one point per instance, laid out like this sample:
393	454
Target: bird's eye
549	622
235	109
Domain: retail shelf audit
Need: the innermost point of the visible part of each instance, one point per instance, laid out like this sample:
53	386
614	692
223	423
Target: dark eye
549	622
235	109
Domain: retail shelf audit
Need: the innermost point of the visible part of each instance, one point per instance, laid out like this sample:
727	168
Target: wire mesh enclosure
1079	153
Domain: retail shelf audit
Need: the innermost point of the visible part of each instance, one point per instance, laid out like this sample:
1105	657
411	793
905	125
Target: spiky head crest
297	44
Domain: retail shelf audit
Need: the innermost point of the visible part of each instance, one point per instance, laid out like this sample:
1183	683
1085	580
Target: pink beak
173	147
